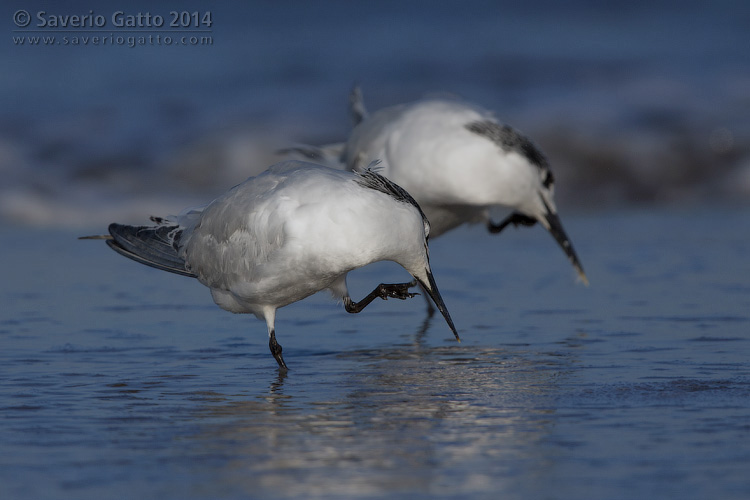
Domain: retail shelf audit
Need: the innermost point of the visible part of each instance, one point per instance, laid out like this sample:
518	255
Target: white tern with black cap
286	234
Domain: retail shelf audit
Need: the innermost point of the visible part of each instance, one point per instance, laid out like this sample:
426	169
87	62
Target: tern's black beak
432	290
556	230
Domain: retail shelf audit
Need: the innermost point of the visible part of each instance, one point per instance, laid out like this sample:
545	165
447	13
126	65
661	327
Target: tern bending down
457	160
288	233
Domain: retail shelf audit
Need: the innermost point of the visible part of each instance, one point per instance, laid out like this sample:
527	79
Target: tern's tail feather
154	246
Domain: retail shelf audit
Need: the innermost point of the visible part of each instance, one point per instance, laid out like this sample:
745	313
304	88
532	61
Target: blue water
632	103
117	380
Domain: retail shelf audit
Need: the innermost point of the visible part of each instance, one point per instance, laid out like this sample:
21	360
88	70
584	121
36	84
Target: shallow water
630	102
118	378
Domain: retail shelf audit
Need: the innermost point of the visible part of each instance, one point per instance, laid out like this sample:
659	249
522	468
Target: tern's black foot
517	219
385	292
396	291
276	351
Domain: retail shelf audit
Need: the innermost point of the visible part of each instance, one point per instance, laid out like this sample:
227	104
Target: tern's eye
548	179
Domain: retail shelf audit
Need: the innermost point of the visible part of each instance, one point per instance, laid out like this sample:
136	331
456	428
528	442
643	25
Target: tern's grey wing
238	232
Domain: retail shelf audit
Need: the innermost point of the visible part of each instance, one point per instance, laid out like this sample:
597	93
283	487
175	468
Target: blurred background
634	103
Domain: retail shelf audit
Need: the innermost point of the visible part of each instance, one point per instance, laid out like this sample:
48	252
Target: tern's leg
517	219
269	313
276	350
384	291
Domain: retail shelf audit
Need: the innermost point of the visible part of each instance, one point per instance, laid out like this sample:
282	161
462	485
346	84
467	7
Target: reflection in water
420	419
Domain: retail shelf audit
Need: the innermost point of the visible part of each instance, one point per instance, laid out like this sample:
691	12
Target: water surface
630	102
117	380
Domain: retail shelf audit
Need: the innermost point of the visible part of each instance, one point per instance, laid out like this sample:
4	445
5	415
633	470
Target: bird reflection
277	385
419	337
398	421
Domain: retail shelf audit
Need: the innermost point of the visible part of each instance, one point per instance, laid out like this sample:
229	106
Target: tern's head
427	282
551	222
409	238
525	182
540	206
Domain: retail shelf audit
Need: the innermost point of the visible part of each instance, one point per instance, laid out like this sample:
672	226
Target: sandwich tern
286	234
457	160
